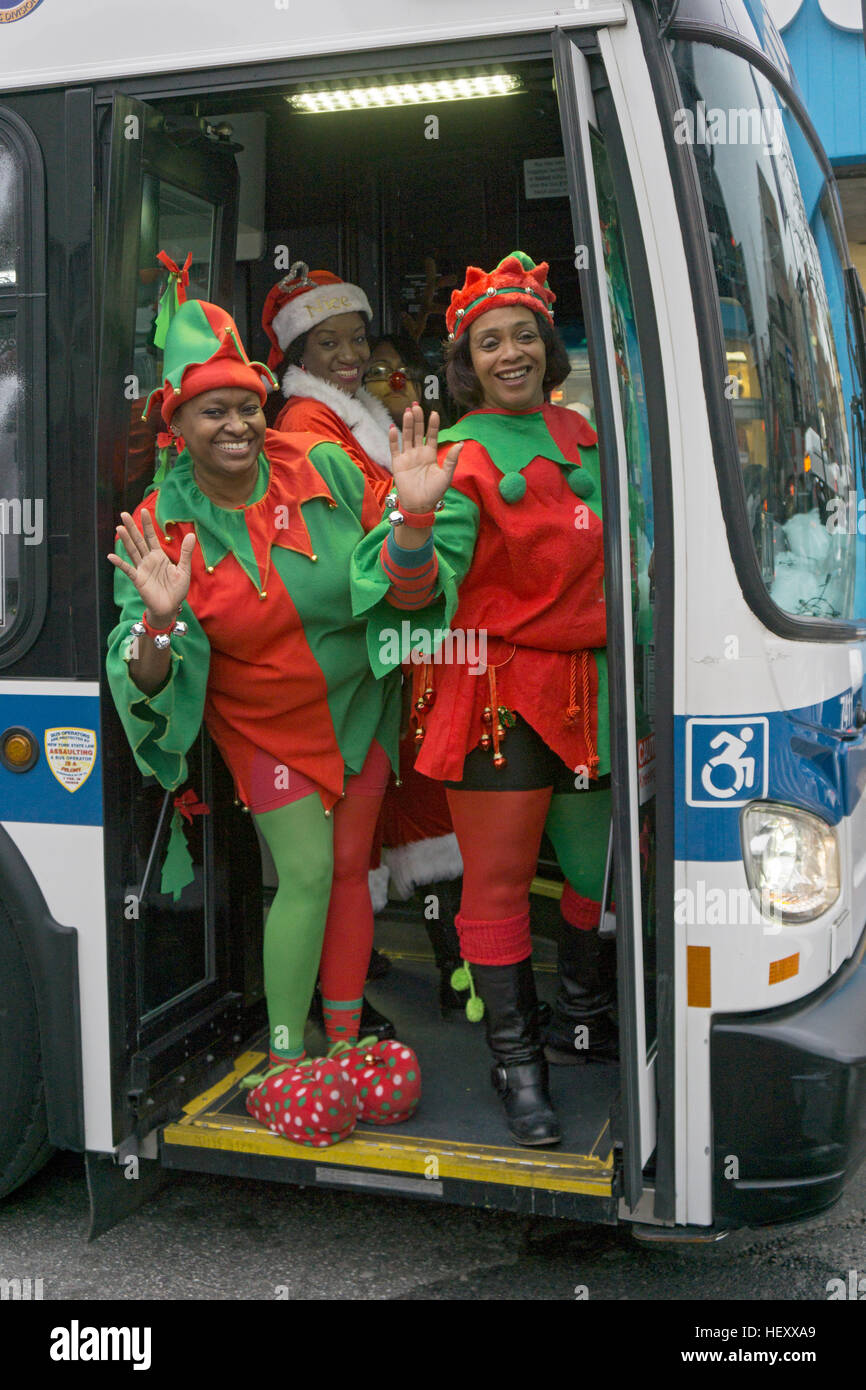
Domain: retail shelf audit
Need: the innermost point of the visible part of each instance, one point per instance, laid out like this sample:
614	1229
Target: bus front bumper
788	1091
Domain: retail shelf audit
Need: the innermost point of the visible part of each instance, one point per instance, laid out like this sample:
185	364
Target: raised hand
418	477
163	586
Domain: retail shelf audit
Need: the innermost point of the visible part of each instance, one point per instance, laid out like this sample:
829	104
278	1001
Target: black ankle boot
445	942
520	1074
581	1029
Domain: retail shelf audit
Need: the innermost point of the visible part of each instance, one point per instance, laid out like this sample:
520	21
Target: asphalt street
214	1238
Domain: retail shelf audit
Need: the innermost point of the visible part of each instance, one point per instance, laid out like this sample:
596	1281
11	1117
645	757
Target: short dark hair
464	385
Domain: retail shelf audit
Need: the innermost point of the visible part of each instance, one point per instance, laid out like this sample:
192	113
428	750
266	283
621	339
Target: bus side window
23	523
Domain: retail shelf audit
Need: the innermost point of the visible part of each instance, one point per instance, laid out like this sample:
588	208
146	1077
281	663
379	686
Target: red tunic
534	587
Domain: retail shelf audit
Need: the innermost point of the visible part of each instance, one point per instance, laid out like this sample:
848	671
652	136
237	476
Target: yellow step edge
580	1173
243	1064
547	887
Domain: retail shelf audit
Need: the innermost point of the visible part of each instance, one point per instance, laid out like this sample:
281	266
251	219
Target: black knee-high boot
519	1075
445	941
581	1029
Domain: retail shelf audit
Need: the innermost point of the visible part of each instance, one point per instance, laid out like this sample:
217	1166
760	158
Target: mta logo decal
727	761
10	10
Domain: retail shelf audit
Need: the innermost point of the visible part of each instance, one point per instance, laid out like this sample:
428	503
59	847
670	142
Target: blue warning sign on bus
727	761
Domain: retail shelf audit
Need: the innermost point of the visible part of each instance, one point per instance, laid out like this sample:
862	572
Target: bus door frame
150	1048
638	1120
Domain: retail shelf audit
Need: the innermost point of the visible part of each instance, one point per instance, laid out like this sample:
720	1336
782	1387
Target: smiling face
380	384
337	351
224	430
509	358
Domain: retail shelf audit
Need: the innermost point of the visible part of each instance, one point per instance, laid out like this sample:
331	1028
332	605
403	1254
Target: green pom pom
475	1009
460	978
580	483
512	486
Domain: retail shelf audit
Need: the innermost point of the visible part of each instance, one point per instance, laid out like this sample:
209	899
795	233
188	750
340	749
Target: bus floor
458	1129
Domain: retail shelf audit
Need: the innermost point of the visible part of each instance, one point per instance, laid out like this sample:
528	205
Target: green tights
301	841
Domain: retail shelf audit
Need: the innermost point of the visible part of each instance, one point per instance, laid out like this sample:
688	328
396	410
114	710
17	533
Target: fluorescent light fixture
421	92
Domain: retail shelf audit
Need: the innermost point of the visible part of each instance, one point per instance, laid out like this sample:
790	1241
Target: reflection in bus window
789	370
11	490
179	223
632	393
10	487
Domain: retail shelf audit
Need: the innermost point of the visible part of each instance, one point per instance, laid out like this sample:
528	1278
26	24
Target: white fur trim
366	417
378	881
314	306
424	861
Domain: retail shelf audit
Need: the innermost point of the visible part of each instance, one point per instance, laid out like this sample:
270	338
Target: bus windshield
791	368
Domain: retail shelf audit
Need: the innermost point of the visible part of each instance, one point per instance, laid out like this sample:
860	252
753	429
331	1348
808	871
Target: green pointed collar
512	441
235	530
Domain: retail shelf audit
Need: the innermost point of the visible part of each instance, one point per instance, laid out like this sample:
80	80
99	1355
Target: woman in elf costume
316	325
520	737
325	360
249	539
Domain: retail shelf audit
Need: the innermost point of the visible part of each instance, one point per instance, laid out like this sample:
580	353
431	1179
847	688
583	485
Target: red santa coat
358	423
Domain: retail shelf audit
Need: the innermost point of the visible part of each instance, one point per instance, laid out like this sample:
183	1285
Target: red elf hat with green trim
203	351
516	280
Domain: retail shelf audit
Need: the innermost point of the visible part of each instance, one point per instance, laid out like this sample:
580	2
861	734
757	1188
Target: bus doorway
398	200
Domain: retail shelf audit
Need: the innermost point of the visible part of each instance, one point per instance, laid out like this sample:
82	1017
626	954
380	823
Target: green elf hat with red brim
203	351
516	280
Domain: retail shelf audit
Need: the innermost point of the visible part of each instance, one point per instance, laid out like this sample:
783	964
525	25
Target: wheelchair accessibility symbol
726	761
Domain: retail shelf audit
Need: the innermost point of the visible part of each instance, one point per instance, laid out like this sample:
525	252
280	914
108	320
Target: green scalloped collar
219	530
512	441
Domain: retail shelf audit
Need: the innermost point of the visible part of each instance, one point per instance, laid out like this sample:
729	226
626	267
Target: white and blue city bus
659	156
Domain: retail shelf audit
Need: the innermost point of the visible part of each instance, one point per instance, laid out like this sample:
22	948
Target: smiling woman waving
520	741
233	584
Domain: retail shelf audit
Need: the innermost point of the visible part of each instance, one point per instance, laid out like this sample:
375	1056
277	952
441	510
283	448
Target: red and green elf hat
516	280
203	351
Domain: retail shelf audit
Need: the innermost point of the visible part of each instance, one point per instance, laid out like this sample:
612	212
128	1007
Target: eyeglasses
391	378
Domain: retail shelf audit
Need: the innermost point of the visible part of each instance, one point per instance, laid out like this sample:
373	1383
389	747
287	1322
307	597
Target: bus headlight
791	859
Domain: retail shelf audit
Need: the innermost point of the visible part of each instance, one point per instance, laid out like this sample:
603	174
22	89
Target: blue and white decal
727	761
64	786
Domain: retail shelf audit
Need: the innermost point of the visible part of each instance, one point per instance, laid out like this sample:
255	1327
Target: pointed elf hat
516	280
304	298
203	351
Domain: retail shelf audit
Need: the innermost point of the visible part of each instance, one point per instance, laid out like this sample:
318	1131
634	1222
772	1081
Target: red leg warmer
582	913
499	834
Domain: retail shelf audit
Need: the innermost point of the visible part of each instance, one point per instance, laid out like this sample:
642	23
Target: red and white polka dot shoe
387	1078
313	1102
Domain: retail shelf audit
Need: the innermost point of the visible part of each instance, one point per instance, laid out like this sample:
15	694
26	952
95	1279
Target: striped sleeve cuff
412	573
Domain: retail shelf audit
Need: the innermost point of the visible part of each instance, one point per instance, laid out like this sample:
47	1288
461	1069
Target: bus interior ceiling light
421	92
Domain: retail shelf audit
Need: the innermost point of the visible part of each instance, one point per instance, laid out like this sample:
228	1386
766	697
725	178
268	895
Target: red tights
349	927
499	834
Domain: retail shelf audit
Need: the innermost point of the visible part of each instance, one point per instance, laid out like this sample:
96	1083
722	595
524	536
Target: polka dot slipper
387	1078
313	1102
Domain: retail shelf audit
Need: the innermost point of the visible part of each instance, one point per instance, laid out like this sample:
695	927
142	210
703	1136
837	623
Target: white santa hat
304	298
